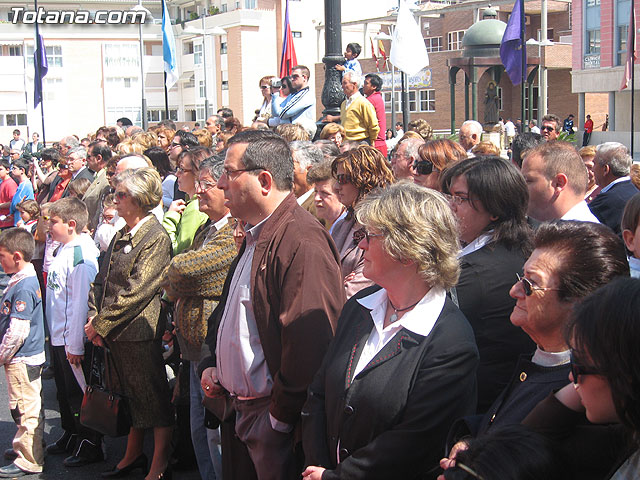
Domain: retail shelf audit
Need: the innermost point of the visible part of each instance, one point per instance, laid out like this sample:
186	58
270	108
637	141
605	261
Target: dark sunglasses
121	195
577	369
343	178
529	287
423	167
547	129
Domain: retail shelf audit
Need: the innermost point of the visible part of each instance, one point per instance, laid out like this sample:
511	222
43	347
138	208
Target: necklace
394	315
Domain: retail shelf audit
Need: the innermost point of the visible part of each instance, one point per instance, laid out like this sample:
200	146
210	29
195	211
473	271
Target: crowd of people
275	307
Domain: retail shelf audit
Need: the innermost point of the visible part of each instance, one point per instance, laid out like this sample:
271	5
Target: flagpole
633	69
166	97
523	49
37	78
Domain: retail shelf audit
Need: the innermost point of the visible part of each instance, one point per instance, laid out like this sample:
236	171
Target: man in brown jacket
278	312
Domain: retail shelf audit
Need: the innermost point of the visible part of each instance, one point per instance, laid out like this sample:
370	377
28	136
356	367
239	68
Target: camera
276	83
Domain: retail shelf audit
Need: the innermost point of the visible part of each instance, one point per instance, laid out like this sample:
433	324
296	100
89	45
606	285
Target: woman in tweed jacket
124	311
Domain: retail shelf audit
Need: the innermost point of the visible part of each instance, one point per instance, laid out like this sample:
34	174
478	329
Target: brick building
599	37
443	27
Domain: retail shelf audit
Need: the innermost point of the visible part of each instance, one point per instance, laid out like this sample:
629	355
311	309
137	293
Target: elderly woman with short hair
124	315
402	365
357	172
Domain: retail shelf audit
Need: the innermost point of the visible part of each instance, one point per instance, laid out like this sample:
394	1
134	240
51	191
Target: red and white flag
632	49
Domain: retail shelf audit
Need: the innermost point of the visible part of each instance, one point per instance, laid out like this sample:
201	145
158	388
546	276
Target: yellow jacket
359	120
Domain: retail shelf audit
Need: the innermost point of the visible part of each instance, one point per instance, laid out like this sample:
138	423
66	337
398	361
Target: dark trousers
585	138
70	395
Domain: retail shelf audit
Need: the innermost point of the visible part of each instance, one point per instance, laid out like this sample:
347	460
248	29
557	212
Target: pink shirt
378	103
7	190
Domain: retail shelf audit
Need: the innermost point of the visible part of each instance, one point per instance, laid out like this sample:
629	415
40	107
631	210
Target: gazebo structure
481	56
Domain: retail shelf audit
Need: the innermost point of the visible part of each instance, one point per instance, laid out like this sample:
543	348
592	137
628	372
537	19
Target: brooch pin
127	249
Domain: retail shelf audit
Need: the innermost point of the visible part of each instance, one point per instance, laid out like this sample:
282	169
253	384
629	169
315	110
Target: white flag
408	51
168	48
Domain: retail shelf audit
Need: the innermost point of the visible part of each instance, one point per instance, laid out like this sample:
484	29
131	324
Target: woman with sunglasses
434	157
559	272
402	365
489	197
267	91
357	172
605	385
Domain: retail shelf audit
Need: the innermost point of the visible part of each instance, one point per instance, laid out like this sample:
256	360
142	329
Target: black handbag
102	409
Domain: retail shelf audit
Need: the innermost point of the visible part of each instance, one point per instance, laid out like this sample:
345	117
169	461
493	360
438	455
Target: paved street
53	463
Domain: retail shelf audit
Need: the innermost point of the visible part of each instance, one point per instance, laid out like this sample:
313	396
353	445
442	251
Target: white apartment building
96	71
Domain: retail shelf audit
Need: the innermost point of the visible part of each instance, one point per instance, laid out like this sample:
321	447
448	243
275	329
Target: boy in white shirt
68	283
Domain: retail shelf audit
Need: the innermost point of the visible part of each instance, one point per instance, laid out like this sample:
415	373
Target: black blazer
84	173
608	206
486	277
391	419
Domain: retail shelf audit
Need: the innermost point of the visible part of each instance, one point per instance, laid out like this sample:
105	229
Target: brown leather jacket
297	296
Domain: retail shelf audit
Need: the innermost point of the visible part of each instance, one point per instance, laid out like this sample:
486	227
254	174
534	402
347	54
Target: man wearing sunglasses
276	316
300	105
550	127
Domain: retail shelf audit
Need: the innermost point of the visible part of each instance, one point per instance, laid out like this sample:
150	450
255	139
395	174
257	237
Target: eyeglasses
547	128
264	87
577	369
369	235
423	167
295	75
63	167
203	186
456	200
174	145
343	178
239	171
529	287
121	195
183	170
110	174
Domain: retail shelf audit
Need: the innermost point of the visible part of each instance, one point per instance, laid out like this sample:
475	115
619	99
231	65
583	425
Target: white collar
617	180
550	359
138	225
220	224
303	198
26	272
420	320
580	211
477	244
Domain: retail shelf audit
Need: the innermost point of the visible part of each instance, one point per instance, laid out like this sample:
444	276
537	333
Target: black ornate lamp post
332	95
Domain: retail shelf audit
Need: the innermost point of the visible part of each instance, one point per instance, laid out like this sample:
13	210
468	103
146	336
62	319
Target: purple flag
41	67
512	44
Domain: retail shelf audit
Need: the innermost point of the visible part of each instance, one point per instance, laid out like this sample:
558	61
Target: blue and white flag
169	48
511	48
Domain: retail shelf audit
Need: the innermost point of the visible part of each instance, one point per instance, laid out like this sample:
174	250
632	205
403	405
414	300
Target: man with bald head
470	135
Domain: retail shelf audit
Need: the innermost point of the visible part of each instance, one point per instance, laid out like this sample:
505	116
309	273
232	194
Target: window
223	7
535	102
54	55
191	83
224	84
499	93
434	44
593	41
51	85
249	3
427	100
623	32
413	106
197	54
296	34
454	40
16	119
223	48
200	114
15	50
156	115
237	5
201	88
127	82
187	48
593	3
387	101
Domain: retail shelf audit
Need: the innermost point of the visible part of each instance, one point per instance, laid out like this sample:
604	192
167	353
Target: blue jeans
206	442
